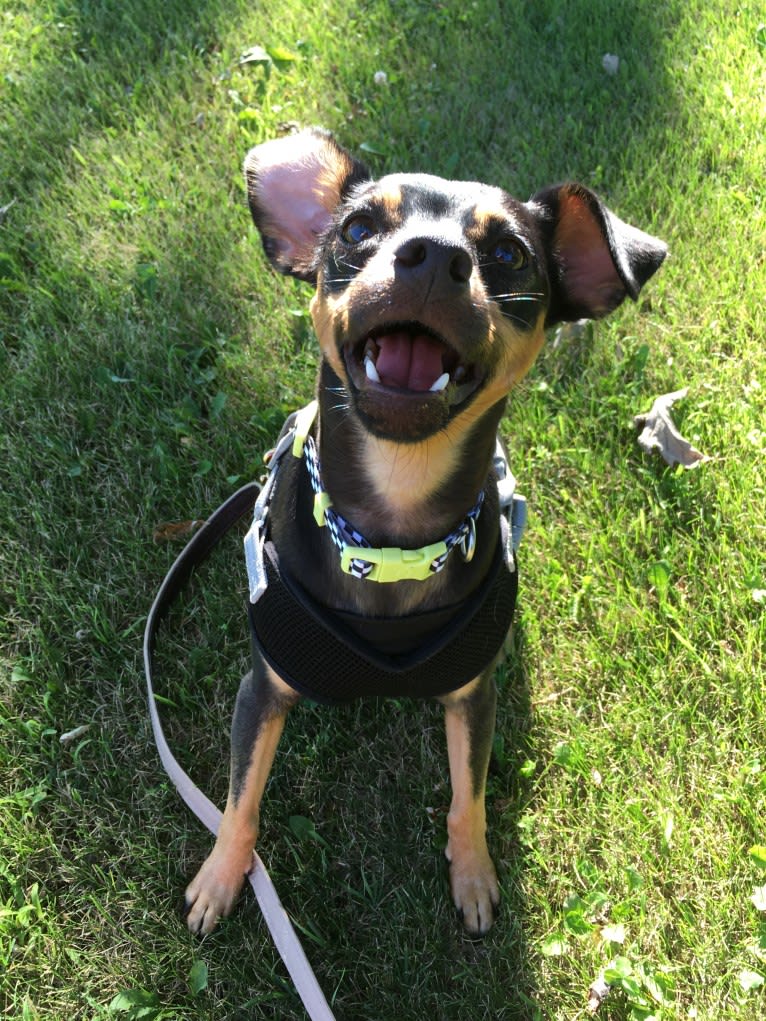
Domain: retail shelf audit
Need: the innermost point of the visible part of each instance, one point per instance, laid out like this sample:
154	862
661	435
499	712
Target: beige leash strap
280	927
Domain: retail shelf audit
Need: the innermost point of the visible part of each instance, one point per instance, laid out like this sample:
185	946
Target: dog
432	299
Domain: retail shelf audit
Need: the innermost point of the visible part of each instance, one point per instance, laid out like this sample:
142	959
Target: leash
279	925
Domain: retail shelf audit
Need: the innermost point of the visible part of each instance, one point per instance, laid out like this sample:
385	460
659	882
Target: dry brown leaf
176	529
597	993
658	432
72	735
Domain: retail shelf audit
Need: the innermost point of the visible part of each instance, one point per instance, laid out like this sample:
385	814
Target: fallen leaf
4	210
170	530
72	735
258	56
597	993
750	980
659	433
613	933
373	150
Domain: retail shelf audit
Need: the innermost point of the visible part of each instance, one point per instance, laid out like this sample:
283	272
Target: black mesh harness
336	656
333	656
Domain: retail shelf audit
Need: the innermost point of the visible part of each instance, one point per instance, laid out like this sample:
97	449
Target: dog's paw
213	892
475	890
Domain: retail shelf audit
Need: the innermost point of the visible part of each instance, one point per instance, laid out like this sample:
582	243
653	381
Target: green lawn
148	358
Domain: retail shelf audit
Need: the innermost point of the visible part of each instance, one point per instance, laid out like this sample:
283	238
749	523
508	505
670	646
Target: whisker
347	264
515	319
518	296
343	280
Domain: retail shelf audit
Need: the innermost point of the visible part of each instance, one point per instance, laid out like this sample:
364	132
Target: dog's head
432	295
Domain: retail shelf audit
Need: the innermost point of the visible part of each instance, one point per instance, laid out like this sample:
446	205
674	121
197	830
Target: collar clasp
392	564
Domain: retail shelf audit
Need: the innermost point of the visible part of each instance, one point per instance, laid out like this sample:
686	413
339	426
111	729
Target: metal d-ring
468	542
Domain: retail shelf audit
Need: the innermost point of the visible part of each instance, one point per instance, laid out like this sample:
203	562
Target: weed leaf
658	576
757	855
554	946
198	978
281	55
302	827
634	878
138	1004
576	923
618	970
217	404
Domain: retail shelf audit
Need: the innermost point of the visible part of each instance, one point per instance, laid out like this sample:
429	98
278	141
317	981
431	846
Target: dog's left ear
294	185
594	258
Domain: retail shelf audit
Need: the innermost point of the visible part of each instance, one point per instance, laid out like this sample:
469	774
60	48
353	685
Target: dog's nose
432	257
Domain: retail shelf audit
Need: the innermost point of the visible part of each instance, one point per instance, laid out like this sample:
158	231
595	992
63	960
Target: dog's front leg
259	717
470	723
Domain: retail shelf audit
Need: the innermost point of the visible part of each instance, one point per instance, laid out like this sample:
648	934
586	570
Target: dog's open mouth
408	359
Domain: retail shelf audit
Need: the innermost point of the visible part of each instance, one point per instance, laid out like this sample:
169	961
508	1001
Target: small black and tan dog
387	568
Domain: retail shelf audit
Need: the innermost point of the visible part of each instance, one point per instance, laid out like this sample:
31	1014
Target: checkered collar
361	560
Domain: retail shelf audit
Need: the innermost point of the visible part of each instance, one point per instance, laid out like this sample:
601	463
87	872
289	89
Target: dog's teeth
440	383
369	368
460	373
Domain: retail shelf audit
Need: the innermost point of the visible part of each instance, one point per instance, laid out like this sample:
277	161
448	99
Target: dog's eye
510	253
358	229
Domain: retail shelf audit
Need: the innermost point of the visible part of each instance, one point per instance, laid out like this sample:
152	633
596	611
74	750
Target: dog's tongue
410	361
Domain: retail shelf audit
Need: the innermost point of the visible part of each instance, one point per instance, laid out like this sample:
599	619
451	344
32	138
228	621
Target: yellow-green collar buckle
361	561
392	564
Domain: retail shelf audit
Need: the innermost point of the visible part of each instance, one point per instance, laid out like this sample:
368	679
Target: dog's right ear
294	186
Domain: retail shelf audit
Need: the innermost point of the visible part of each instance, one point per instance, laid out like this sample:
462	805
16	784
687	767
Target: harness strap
279	925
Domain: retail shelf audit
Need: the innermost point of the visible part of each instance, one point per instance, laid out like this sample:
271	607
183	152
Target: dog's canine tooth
369	368
440	383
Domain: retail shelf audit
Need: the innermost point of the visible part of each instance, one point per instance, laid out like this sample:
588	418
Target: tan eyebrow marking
485	218
390	199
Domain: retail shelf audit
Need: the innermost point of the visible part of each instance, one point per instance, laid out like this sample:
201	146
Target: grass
148	358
